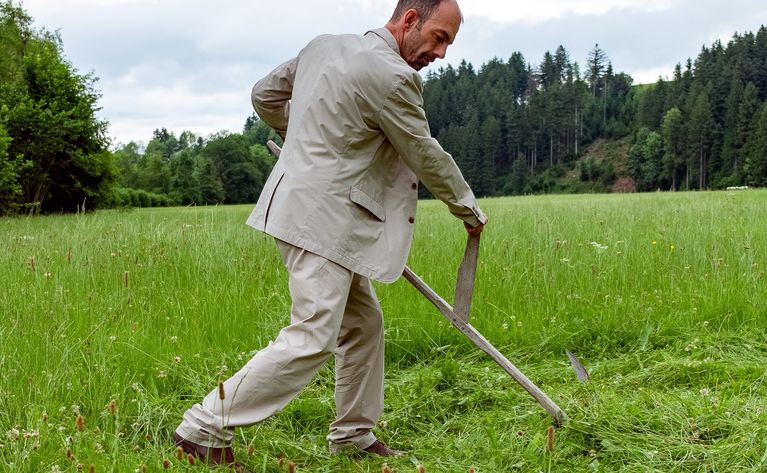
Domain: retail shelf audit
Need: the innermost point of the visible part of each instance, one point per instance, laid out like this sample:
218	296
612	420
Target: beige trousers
333	311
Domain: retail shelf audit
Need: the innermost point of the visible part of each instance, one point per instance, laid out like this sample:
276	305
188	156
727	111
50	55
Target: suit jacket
356	144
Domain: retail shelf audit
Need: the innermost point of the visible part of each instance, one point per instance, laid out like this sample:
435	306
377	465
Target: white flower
598	246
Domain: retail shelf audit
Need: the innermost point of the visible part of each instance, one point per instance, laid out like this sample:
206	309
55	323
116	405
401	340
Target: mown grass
661	295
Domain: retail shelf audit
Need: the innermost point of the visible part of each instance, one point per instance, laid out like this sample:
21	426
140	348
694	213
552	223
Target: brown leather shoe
210	455
381	449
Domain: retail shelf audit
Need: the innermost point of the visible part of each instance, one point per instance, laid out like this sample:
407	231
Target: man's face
425	41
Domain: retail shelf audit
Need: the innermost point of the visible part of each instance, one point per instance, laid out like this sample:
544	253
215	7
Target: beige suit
341	204
357	143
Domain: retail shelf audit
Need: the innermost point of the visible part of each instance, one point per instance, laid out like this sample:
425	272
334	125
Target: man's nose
441	51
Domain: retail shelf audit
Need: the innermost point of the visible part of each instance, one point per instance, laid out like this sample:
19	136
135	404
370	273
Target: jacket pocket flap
360	198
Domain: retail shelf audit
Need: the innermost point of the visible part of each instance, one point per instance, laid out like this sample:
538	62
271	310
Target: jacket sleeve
271	96
403	121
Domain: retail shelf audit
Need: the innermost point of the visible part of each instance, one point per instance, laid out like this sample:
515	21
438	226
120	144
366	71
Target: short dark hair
425	8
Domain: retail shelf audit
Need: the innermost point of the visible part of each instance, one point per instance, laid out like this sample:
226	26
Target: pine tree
756	150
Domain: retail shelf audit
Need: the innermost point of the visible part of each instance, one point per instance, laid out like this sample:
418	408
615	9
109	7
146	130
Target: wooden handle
273	148
484	345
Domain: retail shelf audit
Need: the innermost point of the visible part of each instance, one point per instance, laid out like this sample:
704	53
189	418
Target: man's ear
410	19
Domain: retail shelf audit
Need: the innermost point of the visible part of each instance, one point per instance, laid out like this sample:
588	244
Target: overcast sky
190	64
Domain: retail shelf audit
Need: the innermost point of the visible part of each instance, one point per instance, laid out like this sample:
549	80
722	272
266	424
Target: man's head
424	29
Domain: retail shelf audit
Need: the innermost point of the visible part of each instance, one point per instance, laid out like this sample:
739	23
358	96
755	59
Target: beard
411	54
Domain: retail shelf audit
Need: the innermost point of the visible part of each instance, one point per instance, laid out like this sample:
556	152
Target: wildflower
180	453
177	359
112	338
166	464
12	434
174	339
80	423
598	246
704	392
221	393
55	469
673	248
162	374
48	275
654	242
113	407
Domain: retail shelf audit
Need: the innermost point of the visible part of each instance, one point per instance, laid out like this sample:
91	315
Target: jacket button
411	220
414	186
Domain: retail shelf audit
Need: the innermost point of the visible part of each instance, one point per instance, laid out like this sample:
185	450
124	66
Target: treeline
513	128
53	150
55	157
518	129
225	168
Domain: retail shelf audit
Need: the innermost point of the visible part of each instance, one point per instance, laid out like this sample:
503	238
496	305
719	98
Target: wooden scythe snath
459	315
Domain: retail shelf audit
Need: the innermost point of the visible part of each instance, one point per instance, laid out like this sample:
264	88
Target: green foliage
224	168
756	150
672	130
704	118
49	113
10	170
645	159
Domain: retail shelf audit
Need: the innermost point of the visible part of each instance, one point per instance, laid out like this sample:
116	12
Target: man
341	205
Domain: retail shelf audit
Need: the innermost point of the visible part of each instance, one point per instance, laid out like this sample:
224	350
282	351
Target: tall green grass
661	295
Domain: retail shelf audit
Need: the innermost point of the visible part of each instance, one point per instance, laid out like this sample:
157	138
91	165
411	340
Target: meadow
112	323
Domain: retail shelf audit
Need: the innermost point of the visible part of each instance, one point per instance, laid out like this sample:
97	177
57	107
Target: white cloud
189	64
545	10
651	75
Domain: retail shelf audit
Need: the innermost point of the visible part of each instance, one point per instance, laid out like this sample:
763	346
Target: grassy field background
662	296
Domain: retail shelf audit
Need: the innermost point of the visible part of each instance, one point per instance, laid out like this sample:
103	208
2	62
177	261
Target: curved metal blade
580	370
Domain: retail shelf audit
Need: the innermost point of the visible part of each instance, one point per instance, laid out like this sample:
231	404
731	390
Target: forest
513	127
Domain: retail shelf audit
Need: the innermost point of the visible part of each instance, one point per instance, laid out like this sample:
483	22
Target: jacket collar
386	35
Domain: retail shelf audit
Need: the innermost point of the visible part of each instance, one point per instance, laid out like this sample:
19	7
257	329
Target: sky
190	64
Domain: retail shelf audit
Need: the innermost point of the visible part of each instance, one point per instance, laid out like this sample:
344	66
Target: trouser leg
319	289
359	369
